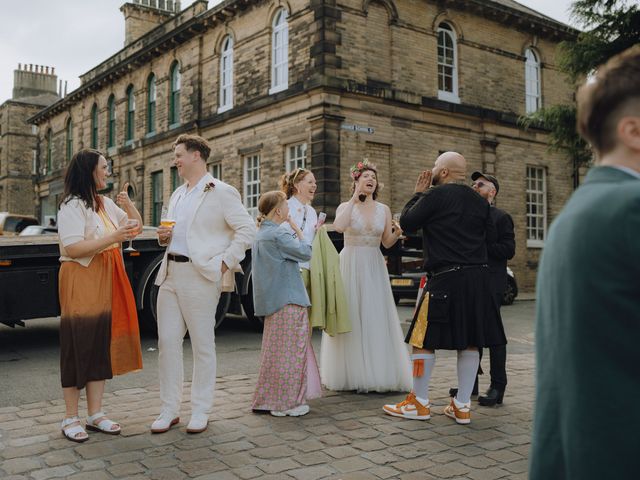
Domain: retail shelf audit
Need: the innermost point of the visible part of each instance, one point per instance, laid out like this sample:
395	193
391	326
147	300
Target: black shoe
492	397
454	391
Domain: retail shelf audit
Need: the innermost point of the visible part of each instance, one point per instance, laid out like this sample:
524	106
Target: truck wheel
509	294
150	319
247	306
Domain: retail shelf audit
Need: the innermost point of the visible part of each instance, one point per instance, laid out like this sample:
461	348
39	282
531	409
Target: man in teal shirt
587	417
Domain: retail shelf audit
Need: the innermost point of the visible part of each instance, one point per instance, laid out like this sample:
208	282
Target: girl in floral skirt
288	370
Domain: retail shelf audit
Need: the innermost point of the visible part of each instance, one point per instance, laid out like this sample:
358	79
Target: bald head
449	167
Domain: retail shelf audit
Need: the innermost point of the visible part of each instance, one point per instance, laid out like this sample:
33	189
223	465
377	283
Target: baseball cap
491	178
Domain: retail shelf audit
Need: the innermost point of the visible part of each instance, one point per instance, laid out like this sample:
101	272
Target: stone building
34	87
275	84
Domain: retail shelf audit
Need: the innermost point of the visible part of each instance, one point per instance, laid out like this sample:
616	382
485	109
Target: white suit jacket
219	230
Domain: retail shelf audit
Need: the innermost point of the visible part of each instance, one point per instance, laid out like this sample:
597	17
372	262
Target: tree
608	27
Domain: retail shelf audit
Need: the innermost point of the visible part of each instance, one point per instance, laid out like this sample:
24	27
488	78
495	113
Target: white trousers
187	301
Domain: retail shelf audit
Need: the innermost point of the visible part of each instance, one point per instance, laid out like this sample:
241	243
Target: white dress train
373	356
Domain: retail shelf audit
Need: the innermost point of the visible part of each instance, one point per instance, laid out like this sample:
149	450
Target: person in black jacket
456	311
503	249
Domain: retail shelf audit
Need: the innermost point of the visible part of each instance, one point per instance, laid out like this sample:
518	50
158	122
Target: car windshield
17	224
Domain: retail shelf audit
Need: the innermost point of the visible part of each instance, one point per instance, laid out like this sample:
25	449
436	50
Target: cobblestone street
345	436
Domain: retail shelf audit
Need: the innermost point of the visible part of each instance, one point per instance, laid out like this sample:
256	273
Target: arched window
111	122
174	97
447	64
280	52
532	81
226	75
131	115
94	126
49	165
69	139
151	104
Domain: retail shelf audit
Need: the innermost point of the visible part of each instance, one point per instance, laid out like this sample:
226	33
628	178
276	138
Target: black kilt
462	311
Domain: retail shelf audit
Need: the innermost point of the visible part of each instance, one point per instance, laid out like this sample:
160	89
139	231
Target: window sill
173	126
278	88
128	143
448	97
150	134
112	150
535	243
225	108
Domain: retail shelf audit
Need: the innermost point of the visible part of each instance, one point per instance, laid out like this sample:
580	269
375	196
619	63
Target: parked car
38	230
13	224
405	261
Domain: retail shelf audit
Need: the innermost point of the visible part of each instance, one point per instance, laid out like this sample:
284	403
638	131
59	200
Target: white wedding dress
373	356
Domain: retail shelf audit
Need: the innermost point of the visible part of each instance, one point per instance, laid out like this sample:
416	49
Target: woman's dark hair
79	180
360	172
288	181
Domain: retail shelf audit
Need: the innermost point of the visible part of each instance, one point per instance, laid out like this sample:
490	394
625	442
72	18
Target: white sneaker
294	412
198	423
164	422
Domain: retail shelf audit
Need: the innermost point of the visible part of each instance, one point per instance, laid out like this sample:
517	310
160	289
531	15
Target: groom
211	234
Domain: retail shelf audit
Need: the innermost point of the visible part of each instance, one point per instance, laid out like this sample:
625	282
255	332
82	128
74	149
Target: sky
76	35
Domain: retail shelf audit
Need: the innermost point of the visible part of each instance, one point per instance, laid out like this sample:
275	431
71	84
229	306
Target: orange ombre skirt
99	334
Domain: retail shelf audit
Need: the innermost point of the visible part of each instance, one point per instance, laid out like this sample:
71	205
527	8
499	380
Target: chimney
142	16
33	81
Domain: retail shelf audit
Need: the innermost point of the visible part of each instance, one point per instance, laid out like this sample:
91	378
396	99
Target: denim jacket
275	270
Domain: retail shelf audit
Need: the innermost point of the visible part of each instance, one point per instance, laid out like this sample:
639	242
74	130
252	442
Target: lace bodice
363	232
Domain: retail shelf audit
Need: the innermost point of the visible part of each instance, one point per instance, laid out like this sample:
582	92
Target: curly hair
288	181
358	169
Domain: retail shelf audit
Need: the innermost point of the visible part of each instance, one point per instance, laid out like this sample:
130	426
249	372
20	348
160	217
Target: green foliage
609	27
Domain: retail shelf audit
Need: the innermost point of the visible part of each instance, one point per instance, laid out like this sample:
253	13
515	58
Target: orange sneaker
410	408
461	415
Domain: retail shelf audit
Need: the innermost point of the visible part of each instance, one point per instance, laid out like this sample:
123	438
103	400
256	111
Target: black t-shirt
455	223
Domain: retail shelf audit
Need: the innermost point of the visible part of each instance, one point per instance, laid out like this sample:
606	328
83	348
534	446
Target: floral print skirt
288	370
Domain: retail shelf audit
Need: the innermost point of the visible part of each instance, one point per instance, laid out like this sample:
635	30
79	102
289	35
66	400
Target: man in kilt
457	310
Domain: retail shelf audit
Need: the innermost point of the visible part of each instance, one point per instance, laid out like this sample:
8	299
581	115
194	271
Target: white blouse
306	218
76	222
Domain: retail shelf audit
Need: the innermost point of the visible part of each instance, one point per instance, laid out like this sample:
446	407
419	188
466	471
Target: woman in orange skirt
99	334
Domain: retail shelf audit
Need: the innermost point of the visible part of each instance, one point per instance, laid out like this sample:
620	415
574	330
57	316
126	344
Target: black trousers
497	360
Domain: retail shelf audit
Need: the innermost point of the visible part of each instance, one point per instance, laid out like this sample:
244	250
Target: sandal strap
95	416
72	432
69	420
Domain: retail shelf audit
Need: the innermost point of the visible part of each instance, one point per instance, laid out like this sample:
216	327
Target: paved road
344	437
32	353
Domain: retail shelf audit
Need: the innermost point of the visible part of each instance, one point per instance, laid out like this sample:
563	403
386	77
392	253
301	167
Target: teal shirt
587	416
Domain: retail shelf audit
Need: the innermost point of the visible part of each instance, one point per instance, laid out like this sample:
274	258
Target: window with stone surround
69	140
174	97
251	183
131	116
226	75
94	126
175	179
111	122
447	64
215	169
532	81
280	52
296	156
156	197
151	104
536	206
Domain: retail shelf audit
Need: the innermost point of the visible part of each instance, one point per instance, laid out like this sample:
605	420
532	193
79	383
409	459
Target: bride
373	356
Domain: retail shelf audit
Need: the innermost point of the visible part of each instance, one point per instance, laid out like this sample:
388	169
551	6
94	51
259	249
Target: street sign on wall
357	128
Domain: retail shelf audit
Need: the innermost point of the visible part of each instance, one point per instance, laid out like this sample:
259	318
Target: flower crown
358	168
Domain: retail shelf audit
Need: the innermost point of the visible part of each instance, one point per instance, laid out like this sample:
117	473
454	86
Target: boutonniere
209	186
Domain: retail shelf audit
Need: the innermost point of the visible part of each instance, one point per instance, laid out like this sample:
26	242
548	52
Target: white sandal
104	426
72	432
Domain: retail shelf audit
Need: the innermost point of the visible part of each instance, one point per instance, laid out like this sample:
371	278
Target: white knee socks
421	383
468	361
